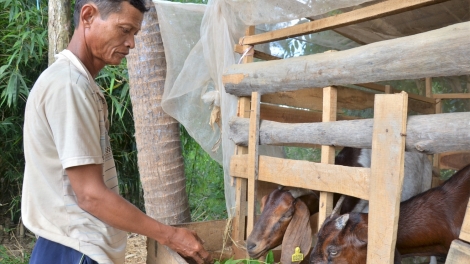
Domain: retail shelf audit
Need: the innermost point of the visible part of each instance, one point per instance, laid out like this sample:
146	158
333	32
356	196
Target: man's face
110	40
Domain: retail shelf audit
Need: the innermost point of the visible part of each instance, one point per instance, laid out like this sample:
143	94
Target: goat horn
338	206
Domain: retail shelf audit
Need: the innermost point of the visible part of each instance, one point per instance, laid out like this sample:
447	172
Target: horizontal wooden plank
290	115
379	87
311	98
348	98
428	134
418	56
452	96
382	9
304	174
454	160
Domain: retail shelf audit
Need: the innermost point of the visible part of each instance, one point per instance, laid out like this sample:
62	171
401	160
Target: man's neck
79	48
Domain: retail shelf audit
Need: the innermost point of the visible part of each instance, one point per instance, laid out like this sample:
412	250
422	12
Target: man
70	192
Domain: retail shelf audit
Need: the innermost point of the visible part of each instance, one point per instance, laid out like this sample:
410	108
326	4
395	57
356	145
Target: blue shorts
48	252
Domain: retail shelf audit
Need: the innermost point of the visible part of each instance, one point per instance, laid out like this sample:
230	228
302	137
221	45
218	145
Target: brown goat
278	207
427	224
292	210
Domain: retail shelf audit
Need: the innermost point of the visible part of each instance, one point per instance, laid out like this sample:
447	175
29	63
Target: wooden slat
253	143
348	98
379	87
359	15
344	34
452	96
327	152
241	203
459	253
257	54
239	218
290	115
465	230
428	81
435	178
165	255
211	231
305	174
311	98
454	160
387	169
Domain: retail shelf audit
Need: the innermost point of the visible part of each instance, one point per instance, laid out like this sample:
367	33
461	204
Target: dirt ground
136	250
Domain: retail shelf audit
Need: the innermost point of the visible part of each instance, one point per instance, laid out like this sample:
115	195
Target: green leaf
270	257
11	93
2	70
125	90
232	261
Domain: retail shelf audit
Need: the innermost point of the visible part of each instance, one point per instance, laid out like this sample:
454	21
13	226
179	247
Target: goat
280	207
428	222
417	179
290	210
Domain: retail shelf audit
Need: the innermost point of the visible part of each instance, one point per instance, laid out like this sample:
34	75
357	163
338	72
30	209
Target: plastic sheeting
199	42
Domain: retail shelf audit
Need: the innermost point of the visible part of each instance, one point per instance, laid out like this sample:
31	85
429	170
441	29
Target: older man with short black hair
70	196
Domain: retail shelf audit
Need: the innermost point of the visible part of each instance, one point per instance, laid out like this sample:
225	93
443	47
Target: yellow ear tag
297	256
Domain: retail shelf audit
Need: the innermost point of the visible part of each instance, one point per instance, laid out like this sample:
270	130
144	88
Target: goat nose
250	245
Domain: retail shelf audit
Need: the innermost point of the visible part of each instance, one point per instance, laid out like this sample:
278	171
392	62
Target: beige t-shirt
65	126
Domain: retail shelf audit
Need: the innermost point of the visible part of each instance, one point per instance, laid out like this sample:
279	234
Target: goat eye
288	214
333	252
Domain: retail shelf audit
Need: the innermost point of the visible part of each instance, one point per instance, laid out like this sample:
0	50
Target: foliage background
23	56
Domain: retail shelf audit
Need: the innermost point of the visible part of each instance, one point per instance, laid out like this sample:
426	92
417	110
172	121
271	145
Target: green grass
269	260
7	257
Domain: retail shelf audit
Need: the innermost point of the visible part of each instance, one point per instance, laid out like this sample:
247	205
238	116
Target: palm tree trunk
58	27
157	134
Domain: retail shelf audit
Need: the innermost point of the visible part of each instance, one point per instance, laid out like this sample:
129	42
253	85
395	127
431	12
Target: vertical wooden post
387	169
239	219
436	181
253	143
428	87
327	152
459	253
460	249
465	230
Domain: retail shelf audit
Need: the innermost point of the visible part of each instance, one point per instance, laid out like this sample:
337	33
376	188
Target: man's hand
188	244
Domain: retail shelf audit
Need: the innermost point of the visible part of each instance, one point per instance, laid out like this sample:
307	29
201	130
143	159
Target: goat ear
263	202
361	233
298	233
341	221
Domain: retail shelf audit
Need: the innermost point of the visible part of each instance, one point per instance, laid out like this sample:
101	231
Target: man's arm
97	199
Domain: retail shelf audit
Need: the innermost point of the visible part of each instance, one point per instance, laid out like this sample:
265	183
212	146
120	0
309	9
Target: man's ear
88	13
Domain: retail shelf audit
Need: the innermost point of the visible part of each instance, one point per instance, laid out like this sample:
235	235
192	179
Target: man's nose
130	42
